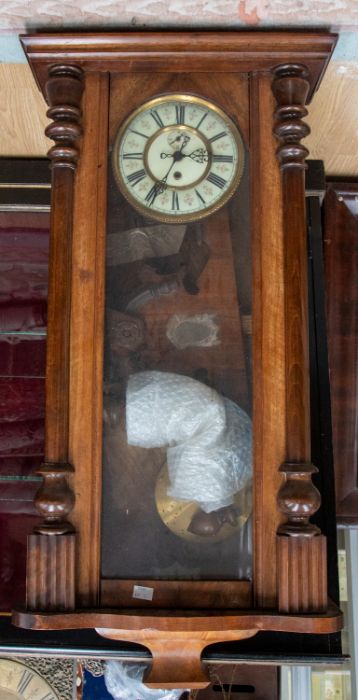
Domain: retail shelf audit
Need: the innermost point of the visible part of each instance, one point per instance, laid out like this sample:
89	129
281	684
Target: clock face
178	158
19	682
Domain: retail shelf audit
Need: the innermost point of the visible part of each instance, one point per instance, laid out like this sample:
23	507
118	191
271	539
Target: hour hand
200	155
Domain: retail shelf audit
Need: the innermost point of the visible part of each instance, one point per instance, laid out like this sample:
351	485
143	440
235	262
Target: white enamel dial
178	158
19	682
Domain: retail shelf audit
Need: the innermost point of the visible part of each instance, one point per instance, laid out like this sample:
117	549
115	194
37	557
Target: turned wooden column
302	570
51	549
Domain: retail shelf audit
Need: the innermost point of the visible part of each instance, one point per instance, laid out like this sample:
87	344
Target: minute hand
158	188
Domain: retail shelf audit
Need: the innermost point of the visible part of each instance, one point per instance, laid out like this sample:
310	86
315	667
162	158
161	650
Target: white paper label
143	592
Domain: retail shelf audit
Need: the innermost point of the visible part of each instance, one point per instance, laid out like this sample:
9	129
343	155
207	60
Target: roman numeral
202	200
24	681
136	177
132	156
180	114
48	696
223	159
216	180
202	119
175	201
139	133
152	194
157	118
218	136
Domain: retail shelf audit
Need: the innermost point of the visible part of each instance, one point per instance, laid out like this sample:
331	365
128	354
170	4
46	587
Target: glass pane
177	373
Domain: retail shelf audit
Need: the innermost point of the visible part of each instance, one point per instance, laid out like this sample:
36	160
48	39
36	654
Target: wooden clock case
264	80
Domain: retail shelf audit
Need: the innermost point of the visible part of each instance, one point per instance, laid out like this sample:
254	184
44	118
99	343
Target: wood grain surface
268	338
175	52
341	269
178	594
86	351
173	634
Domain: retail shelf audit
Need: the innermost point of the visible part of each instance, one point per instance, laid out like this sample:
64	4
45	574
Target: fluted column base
302	574
50	572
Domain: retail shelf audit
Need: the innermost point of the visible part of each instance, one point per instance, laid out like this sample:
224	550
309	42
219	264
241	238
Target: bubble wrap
208	437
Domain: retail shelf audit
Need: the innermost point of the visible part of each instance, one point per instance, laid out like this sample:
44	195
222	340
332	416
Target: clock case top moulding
289	587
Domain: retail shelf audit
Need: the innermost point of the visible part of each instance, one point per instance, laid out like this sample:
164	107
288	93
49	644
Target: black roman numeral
218	136
152	194
136	177
132	156
202	200
202	119
157	118
139	133
48	696
223	159
180	114
24	681
175	201
216	180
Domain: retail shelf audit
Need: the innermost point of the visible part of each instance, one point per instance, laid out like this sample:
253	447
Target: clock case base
176	639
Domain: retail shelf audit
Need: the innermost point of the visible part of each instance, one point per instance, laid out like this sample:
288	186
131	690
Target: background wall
333	116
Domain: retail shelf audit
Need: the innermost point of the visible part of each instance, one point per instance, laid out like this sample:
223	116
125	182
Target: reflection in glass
177	452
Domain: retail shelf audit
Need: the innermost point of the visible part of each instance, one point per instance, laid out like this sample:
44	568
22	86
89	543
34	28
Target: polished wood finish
298	498
51	561
64	92
176	656
161	62
50	573
177	52
86	337
177	594
188	621
340	240
302	579
290	87
268	338
173	635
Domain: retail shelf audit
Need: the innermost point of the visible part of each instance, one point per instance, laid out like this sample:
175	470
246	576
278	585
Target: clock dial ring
155	194
166	131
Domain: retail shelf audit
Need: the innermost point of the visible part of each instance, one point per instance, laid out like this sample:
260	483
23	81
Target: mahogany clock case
314	647
262	82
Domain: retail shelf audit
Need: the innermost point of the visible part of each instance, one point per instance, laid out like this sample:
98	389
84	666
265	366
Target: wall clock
21	682
178	345
178	158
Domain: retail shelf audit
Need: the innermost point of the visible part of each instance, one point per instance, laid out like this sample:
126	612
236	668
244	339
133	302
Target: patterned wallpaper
26	15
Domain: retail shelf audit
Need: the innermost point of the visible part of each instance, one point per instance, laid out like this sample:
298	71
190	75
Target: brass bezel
192	216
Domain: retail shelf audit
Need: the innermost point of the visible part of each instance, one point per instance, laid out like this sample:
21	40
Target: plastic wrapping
208	437
124	682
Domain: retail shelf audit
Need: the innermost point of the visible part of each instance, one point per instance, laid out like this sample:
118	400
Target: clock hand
200	155
160	186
